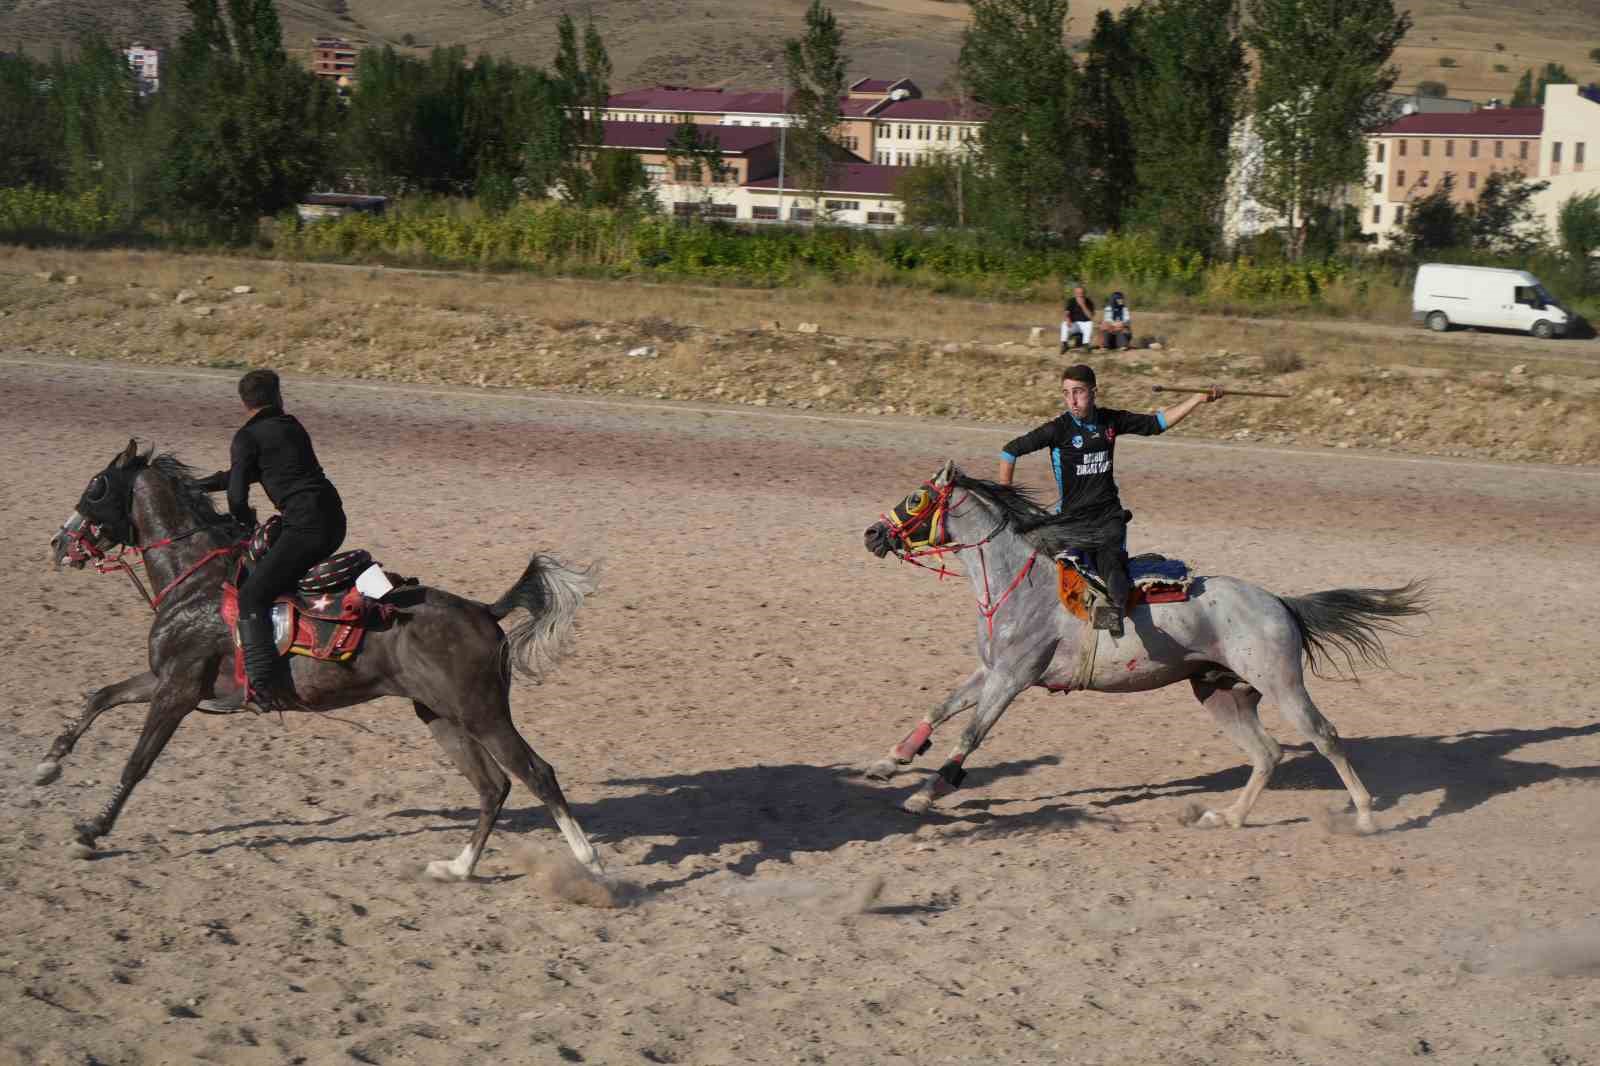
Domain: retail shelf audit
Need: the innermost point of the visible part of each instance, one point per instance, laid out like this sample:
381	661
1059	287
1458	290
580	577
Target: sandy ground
260	901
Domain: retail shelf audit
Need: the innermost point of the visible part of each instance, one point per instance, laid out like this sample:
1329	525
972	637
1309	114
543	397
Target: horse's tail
1351	622
551	593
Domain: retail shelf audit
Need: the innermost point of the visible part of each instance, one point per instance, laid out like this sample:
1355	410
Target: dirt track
260	900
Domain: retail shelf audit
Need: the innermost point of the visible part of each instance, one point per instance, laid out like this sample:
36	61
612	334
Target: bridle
83	547
931	513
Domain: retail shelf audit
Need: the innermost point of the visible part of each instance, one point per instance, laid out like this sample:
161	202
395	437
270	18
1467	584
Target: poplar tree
1324	67
816	65
1014	61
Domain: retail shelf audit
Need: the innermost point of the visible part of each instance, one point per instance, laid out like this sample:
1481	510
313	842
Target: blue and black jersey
1081	453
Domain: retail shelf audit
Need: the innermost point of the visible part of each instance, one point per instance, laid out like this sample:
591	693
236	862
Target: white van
1447	295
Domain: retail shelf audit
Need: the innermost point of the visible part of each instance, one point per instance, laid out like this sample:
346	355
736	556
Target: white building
146	64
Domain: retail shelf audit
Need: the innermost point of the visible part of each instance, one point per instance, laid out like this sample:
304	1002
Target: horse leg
501	739
1295	704
997	691
1235	711
171	703
917	741
136	689
492	784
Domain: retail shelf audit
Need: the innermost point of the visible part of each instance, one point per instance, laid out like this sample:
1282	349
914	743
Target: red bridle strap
987	607
110	564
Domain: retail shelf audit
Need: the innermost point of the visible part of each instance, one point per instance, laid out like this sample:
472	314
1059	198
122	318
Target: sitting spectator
1116	328
1077	320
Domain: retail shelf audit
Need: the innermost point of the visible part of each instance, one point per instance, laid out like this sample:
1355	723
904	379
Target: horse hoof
79	850
917	803
46	772
882	770
443	870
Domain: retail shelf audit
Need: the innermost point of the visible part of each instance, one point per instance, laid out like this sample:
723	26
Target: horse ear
948	474
129	454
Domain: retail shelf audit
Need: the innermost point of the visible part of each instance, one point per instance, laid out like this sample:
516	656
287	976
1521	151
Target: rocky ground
1470	395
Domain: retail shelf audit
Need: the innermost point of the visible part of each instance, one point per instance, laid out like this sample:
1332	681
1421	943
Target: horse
446	653
1234	642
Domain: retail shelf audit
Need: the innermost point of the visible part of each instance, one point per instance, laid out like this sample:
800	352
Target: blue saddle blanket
1143	570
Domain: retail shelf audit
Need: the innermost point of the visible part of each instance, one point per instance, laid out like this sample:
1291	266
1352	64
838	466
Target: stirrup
1108	618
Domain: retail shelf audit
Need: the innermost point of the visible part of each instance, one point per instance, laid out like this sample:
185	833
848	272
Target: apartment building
334	58
146	66
749	188
1414	155
884	121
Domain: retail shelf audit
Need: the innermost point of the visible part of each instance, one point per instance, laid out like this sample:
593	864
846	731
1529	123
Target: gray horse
1232	641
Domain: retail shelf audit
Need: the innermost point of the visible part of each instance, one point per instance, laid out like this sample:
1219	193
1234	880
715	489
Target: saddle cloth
324	625
1154	579
334	574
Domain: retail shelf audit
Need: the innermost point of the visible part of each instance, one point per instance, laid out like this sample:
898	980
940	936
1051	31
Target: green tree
695	147
1182	103
243	132
1432	88
943	192
1324	69
1435	222
620	182
1530	87
583	89
1014	61
1109	67
1503	219
32	127
816	65
1579	226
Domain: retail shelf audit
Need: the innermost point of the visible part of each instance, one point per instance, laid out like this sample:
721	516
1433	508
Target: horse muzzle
880	539
77	543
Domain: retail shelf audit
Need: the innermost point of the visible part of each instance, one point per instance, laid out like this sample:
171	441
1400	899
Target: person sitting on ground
1077	320
1116	327
1082	441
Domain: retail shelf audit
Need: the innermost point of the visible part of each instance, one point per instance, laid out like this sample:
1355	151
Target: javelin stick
1222	392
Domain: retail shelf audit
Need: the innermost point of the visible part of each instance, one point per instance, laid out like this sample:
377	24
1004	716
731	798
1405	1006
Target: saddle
1152	579
327	615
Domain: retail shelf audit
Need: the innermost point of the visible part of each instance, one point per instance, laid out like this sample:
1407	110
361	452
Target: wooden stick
1224	392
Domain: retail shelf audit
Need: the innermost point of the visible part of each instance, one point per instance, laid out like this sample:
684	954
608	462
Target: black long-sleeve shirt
1081	453
274	449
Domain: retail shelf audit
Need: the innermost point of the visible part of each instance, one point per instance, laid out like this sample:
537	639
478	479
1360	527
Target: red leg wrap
915	743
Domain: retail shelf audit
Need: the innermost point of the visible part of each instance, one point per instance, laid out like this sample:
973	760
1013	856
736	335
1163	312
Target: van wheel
1438	321
1543	330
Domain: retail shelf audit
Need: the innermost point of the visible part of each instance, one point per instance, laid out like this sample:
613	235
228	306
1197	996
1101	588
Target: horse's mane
195	500
1043	529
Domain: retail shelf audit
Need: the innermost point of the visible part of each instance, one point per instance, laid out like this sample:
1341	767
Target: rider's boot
1108	618
260	663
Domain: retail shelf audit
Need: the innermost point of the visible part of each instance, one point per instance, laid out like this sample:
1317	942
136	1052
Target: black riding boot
1112	564
260	662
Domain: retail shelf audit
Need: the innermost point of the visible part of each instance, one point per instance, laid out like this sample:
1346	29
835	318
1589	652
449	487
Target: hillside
722	42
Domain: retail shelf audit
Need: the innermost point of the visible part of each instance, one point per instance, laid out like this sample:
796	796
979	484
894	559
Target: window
1399	214
1449	148
1422	180
922	133
1427	147
842	205
768	213
1380	153
1522	150
1555	152
905	132
685	172
944	133
1472	180
1473	151
1377	183
722	210
655	171
1403	147
800	214
1499	149
1400	179
1577	154
880	218
685	209
852	143
881	158
1377	214
730	176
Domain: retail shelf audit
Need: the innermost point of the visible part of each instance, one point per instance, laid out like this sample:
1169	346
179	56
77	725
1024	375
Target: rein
940	505
83	543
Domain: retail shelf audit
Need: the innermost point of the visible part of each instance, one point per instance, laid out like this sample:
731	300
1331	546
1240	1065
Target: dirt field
260	900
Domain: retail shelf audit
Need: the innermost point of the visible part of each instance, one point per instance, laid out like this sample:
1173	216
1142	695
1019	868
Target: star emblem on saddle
322	603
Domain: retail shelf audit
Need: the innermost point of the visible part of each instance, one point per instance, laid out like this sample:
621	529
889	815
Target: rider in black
1082	441
273	448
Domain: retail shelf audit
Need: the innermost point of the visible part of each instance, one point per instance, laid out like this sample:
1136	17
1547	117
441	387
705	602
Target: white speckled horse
1232	641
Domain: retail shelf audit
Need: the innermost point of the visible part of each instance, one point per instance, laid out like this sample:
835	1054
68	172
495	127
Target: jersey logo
1077	442
1111	434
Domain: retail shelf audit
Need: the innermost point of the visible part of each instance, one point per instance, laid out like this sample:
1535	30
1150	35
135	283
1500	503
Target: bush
1501	68
1432	88
1447	61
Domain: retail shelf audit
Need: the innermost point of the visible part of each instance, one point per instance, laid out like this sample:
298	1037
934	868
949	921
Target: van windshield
1544	296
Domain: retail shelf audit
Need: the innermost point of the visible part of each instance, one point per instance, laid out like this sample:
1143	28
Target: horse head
916	523
103	518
